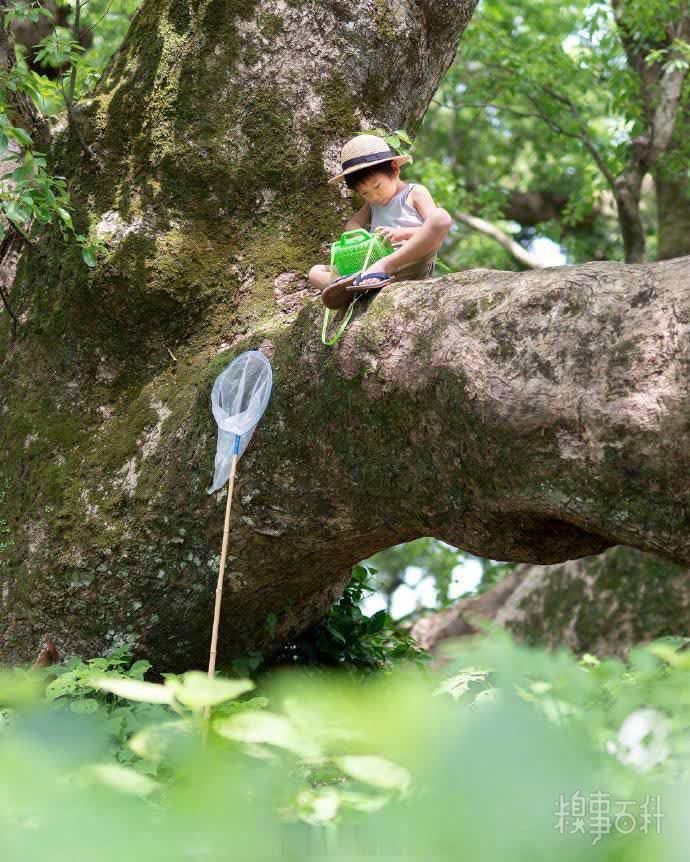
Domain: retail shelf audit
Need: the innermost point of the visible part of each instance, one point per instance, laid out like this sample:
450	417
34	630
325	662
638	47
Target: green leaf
460	683
66	683
88	255
196	690
19	135
84	707
376	771
65	216
139	668
121	778
318	805
266	727
377	622
152	742
15	213
134	689
363	802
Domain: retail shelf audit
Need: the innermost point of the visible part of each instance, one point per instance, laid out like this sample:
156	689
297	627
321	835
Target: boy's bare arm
362	218
397	234
420	198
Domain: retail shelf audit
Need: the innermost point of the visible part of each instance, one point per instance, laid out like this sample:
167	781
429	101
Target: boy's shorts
418	269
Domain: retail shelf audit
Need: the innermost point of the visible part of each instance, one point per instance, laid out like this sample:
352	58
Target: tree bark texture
604	605
673	220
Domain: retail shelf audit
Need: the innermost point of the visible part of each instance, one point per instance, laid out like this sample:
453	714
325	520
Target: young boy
403	213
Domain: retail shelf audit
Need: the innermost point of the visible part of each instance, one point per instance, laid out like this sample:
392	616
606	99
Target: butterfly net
238	399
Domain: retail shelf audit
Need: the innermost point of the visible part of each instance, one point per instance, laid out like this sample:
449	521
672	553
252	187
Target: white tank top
397	212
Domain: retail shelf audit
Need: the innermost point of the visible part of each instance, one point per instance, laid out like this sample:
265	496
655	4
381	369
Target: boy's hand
392	234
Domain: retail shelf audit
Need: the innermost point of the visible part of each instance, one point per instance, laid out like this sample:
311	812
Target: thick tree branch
603	605
536	416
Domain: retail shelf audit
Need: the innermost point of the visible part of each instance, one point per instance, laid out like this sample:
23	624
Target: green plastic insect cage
356	249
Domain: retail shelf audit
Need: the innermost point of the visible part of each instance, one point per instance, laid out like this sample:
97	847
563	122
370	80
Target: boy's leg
320	276
332	295
418	269
422	243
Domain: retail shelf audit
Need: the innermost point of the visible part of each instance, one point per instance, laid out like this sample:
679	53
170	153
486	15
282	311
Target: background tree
549	121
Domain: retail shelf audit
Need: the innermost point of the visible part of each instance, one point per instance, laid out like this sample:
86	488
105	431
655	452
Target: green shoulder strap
329	342
327	316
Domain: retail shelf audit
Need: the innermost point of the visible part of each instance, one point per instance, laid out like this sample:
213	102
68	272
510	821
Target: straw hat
364	151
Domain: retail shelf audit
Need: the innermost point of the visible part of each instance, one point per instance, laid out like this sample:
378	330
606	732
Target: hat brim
400	160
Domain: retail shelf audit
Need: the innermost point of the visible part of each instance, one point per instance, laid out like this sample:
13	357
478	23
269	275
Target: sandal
338	293
384	278
335	294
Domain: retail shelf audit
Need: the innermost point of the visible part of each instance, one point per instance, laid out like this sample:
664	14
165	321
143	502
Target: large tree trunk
534	416
603	605
216	126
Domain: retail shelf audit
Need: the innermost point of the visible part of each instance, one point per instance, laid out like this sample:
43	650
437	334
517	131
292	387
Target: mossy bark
217	125
603	604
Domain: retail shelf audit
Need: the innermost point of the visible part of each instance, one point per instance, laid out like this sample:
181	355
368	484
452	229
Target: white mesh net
238	399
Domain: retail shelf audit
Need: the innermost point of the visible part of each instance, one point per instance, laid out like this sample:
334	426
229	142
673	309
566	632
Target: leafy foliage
348	637
29	194
540	100
413	765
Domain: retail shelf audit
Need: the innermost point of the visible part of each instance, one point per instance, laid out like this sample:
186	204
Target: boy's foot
370	281
343	279
373	277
